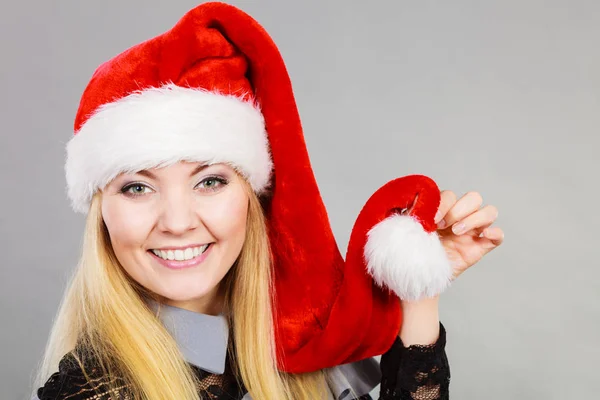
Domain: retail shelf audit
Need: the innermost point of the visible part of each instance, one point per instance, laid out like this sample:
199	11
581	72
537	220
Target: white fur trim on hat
401	255
160	126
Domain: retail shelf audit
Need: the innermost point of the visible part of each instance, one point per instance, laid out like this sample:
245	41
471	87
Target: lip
174	264
181	247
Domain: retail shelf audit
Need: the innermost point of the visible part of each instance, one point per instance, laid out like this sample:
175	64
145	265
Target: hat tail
395	238
394	253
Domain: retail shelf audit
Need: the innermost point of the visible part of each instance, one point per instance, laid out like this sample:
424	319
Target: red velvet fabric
328	311
421	196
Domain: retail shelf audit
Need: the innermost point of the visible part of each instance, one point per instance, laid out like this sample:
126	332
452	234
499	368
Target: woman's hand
464	229
464	248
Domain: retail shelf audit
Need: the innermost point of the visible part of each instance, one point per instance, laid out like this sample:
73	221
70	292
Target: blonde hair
104	311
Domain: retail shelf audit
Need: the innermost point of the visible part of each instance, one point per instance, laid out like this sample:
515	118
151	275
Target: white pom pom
401	255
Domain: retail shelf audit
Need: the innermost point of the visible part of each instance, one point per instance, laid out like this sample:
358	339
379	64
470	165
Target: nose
178	213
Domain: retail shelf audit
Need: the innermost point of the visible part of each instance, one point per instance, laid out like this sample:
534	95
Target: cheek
226	218
127	229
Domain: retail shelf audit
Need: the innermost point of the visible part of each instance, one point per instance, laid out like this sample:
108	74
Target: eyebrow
149	174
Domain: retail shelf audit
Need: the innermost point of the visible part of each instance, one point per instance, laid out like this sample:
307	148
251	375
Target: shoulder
77	380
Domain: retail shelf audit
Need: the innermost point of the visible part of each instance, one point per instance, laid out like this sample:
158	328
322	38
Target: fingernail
458	229
438	215
441	224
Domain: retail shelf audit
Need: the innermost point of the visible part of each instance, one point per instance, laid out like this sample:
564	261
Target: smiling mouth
181	255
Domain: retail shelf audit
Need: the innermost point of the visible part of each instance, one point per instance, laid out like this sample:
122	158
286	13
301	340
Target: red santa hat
213	89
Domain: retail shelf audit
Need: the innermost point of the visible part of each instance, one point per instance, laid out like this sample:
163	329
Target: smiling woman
177	230
209	268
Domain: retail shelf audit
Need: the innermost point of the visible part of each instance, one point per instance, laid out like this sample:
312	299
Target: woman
209	268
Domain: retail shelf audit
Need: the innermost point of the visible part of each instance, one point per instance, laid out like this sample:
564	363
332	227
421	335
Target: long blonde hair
104	311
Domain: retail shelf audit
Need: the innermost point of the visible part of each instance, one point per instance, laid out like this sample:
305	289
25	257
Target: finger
465	206
490	238
447	200
477	231
482	217
494	234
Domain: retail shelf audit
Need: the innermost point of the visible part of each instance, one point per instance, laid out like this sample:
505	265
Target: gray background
500	97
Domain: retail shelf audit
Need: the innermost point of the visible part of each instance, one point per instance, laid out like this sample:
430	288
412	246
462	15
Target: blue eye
127	189
210	184
213	183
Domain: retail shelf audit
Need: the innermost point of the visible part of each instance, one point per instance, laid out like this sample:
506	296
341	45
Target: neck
210	304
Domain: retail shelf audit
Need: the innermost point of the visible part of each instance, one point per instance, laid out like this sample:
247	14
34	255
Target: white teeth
181	255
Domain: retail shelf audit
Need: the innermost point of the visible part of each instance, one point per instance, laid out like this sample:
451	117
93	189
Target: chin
184	294
186	289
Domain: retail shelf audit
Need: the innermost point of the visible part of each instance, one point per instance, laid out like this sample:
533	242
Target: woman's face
175	212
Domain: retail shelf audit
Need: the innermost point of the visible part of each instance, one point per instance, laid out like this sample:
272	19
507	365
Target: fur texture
161	126
404	257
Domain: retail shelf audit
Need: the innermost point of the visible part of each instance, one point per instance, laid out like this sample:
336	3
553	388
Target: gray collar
201	338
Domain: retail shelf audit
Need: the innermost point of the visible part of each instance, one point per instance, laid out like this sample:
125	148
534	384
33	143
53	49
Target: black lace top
407	373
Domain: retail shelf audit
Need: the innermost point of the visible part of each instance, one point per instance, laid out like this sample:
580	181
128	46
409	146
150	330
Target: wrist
428	302
420	321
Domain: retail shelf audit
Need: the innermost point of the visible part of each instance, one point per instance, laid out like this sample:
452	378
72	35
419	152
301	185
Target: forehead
181	167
